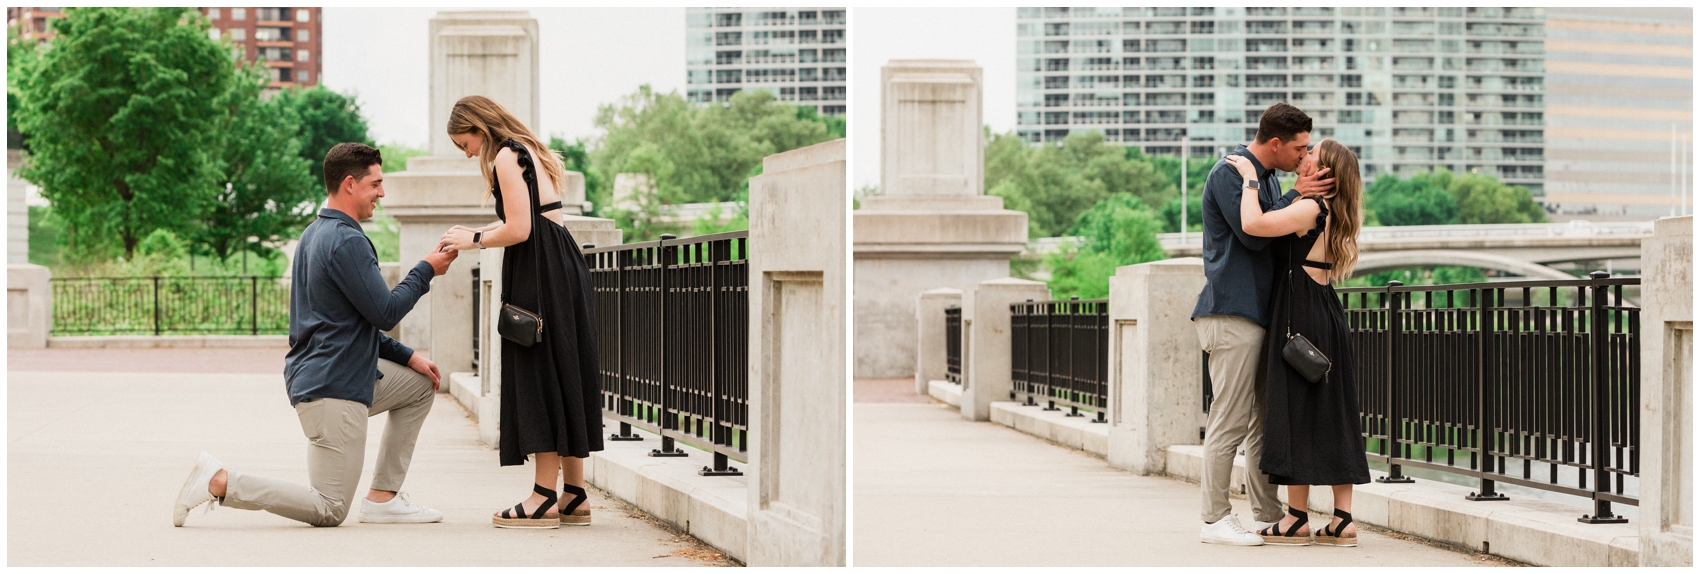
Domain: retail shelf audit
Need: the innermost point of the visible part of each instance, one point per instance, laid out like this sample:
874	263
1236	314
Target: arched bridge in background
1534	250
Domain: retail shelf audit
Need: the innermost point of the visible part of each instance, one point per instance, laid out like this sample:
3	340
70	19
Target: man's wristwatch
477	237
1251	184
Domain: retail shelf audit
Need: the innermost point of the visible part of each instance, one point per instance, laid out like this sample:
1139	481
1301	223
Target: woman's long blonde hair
483	116
1345	205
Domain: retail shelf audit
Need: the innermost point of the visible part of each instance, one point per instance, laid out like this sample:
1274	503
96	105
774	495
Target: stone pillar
487	53
1667	394
989	380
932	225
1155	363
489	348
931	364
797	388
17	212
29	306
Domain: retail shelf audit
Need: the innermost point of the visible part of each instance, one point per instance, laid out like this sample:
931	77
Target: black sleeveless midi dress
551	392
1311	431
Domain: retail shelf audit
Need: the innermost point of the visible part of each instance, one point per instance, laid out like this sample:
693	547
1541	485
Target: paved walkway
95	460
935	490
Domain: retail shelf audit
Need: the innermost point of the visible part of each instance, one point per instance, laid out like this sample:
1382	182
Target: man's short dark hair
346	159
1282	121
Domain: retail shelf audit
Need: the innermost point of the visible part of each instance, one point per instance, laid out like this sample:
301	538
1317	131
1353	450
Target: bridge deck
935	490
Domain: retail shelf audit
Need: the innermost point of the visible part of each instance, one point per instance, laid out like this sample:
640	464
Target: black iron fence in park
672	317
241	305
1059	353
1464	380
953	344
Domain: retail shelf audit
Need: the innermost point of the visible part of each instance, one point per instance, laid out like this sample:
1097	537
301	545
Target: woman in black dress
551	400
1311	430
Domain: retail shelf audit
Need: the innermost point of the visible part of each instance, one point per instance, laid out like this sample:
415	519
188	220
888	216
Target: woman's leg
572	474
548	469
1298	498
1342	501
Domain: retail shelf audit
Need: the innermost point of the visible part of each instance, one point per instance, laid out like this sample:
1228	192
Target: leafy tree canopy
1410	202
123	109
266	192
326	118
1054	184
1118	231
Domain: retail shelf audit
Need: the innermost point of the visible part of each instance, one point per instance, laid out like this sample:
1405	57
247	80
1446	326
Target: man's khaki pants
1235	345
336	431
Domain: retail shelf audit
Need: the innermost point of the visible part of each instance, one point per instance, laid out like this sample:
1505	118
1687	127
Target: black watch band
477	239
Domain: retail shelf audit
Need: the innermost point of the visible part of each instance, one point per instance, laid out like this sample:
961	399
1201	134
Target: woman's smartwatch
477	238
1251	184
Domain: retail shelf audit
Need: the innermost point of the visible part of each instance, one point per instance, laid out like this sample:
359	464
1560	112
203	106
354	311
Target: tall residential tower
797	53
1408	89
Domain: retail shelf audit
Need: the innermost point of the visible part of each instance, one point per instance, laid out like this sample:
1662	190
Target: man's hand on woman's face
1312	184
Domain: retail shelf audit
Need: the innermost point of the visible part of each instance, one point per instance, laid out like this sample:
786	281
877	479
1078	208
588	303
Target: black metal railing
673	322
953	344
478	307
244	305
1059	353
1551	370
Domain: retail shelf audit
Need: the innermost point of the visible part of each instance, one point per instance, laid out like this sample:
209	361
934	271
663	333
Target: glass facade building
1408	89
799	54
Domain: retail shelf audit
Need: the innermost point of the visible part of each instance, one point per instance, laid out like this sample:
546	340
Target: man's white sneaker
195	491
398	510
1228	531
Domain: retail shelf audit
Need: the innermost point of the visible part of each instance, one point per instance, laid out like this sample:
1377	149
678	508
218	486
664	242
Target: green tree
395	158
575	156
326	118
1484	199
20	57
266	193
1118	231
122	111
1410	202
1054	184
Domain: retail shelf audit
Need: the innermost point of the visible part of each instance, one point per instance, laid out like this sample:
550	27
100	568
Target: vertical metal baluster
1394	471
1597	427
1485	396
669	420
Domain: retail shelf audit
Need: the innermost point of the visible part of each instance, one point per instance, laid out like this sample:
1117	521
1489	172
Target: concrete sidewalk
935	490
95	461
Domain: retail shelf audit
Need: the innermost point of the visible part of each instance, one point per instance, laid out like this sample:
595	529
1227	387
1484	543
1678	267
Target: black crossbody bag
1299	351
516	324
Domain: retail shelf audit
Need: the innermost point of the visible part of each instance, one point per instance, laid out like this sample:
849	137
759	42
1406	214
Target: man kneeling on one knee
341	368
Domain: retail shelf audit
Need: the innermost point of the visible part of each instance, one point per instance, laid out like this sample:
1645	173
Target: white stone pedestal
798	392
1667	394
1155	366
29	306
931	361
989	378
931	226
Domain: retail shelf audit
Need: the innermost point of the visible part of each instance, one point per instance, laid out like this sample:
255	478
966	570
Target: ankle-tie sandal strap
548	502
1275	529
579	497
518	511
1345	518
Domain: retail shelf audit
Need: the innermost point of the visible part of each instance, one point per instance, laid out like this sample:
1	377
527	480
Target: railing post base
1051	406
667	449
1487	493
720	468
1100	418
1395	476
1602	515
1073	411
625	433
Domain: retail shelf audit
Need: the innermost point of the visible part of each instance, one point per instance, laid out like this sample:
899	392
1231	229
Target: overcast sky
588	57
879	35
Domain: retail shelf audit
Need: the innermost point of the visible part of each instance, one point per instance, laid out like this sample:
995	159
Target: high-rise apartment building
1619	85
1408	89
284	40
32	23
796	53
